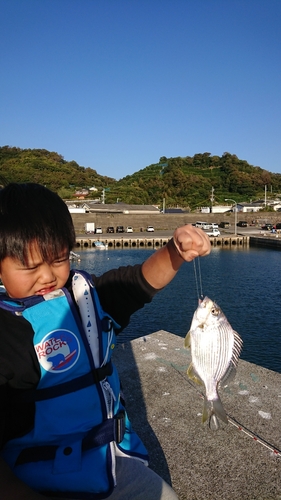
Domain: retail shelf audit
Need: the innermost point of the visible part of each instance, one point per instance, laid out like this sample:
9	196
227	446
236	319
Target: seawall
167	221
241	460
152	241
227	240
267	242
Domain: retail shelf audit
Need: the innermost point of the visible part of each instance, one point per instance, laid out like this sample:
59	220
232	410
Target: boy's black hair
32	213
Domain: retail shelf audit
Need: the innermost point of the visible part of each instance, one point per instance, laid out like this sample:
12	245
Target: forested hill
183	181
48	168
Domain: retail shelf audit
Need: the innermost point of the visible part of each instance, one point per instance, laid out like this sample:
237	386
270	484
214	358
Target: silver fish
215	350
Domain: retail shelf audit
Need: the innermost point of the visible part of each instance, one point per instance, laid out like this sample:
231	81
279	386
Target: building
121	208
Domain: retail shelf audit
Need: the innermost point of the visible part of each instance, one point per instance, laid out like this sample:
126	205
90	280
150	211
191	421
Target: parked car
214	225
98	230
129	229
242	223
212	232
150	229
120	229
267	227
224	224
202	225
110	229
278	225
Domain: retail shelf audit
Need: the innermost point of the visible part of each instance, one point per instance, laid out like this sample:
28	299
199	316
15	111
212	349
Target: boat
74	256
100	245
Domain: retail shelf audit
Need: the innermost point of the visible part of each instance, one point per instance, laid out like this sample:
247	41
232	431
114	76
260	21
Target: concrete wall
166	221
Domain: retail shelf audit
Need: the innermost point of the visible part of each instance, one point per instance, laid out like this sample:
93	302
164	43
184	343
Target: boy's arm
188	242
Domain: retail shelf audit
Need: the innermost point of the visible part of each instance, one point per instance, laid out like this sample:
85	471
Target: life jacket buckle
120	427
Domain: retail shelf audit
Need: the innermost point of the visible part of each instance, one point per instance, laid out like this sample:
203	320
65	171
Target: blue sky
116	84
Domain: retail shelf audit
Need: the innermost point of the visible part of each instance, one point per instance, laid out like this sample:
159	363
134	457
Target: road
135	234
247	231
243	231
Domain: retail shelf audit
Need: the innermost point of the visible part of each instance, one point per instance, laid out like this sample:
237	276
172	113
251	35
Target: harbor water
245	282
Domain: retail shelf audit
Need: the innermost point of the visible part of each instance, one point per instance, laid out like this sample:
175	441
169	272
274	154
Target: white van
203	225
212	232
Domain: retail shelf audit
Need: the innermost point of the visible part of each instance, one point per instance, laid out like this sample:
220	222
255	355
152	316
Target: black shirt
121	292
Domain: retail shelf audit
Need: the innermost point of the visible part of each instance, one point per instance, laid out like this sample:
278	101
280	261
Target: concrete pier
123	242
241	460
152	241
272	241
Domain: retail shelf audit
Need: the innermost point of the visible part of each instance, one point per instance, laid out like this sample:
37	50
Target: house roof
254	204
93	206
174	211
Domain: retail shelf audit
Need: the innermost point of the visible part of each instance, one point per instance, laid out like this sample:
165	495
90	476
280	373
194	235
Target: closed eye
60	261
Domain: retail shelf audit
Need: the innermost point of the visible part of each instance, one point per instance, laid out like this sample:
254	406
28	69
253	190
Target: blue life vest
80	424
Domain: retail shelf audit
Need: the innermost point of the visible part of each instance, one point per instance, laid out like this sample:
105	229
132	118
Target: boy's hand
187	243
191	242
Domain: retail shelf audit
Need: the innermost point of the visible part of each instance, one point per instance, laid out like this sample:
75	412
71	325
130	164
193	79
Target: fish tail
213	409
219	410
214	422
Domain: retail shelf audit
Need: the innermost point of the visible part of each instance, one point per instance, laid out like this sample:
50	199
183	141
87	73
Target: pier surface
241	460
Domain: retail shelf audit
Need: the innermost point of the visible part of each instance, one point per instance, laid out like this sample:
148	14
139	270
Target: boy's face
36	277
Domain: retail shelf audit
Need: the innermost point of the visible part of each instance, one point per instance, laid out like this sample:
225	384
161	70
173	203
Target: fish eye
215	311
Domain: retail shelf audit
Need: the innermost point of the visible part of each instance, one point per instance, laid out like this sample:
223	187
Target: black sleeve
19	371
3	405
123	291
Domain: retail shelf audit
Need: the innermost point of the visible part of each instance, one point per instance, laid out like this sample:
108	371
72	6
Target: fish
215	350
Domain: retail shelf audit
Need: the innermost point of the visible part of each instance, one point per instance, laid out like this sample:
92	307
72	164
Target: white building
250	207
215	209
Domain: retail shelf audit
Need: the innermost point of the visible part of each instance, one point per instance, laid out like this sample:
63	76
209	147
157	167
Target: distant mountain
196	181
182	181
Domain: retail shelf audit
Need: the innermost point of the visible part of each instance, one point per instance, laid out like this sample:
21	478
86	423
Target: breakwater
270	242
153	241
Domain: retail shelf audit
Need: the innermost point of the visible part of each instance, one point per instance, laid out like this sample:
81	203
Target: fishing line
198	278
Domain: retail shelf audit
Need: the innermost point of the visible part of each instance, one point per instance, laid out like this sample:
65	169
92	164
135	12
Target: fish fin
237	347
228	376
214	422
187	341
205	414
218	410
231	371
193	375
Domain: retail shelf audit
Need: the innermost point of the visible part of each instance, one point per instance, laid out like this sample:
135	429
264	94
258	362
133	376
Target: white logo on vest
58	351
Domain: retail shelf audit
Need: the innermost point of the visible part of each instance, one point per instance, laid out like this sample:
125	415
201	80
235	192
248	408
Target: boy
63	430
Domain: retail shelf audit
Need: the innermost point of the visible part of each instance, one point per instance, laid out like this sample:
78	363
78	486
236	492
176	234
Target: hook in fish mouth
200	300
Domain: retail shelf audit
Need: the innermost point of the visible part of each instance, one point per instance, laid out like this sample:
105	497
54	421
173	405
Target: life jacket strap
112	429
93	377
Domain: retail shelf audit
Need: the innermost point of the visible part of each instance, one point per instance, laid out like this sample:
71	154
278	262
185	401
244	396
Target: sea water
245	282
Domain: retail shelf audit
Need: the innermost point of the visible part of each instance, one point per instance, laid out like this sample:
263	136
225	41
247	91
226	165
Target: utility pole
235	215
212	198
163	165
